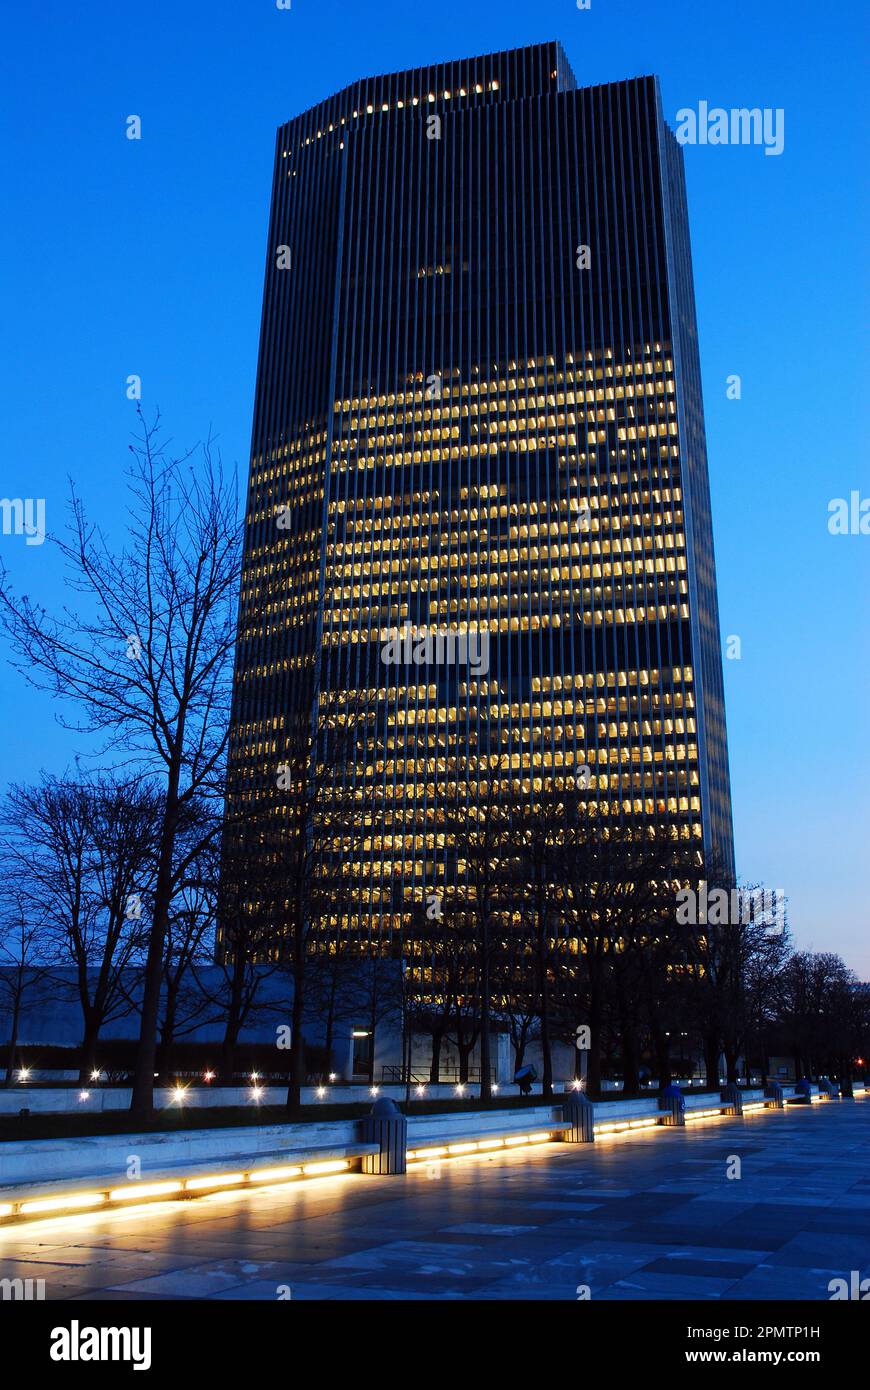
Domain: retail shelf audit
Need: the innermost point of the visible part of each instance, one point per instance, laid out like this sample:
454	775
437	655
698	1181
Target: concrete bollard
827	1088
386	1126
673	1103
579	1113
847	1090
733	1098
773	1093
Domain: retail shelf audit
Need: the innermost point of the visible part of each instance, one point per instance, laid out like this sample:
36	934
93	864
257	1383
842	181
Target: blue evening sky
123	257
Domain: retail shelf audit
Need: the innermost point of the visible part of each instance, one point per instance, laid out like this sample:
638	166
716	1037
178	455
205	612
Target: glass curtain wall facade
478	411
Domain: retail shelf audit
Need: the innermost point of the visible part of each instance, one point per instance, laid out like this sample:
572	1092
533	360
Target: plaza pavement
651	1216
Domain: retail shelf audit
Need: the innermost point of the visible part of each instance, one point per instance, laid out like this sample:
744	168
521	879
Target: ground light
468	1146
151	1189
207	1184
73	1200
612	1129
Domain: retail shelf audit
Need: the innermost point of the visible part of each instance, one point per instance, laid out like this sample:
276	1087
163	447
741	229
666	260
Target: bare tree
438	966
190	929
297	883
332	994
538	832
86	850
736	927
376	994
246	940
614	889
25	956
148	657
479	827
815	1011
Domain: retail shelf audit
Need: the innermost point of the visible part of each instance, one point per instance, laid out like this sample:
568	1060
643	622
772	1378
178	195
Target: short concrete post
733	1098
773	1093
386	1126
579	1112
673	1102
847	1090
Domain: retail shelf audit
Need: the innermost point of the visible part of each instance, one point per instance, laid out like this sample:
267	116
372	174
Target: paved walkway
651	1216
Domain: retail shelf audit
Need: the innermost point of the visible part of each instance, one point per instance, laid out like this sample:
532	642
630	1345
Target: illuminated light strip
153	1189
467	1146
72	1200
754	1105
274	1174
616	1128
77	1201
218	1180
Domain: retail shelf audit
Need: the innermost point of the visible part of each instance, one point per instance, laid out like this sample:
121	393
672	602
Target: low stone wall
26	1160
431	1129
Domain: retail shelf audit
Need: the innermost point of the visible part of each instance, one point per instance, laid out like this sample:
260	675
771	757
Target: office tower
478	412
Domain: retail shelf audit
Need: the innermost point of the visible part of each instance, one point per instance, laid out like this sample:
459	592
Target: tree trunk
167	1032
297	1049
13	1039
630	1065
593	1072
227	1063
711	1059
89	1046
329	1036
435	1063
546	1047
142	1098
373	1015
485	1038
233	1024
663	1058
